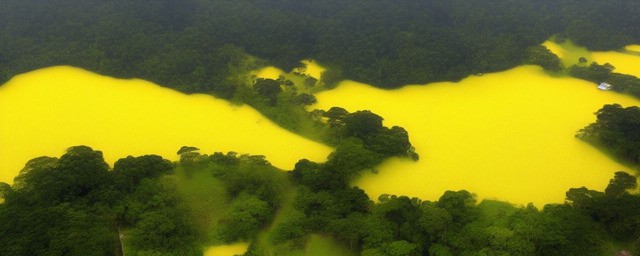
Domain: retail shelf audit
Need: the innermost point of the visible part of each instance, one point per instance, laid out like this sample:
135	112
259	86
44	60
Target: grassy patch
496	213
319	245
206	198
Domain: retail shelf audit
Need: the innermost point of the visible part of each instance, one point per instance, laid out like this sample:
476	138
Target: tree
186	149
5	189
336	116
310	82
582	60
542	56
268	88
306	99
293	227
331	77
390	142
435	221
594	73
461	206
134	169
349	159
583	198
620	183
80	172
400	248
361	124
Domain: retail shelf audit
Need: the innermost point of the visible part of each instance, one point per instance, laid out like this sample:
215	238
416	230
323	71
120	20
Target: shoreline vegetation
78	205
179	208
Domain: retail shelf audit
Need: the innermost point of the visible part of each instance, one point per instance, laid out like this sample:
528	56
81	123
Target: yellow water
633	48
506	136
269	72
227	250
46	111
568	52
624	62
313	69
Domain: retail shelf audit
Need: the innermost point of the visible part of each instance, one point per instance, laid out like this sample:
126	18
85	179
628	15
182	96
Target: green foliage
255	188
391	142
604	73
616	128
560	230
63	229
362	124
268	88
247	215
60	207
460	204
310	81
159	223
75	206
620	183
199	46
306	99
367	127
349	159
291	229
594	73
543	57
131	170
625	83
331	77
616	208
79	175
5	189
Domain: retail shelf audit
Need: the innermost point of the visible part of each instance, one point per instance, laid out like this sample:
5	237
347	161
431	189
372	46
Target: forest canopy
193	45
78	205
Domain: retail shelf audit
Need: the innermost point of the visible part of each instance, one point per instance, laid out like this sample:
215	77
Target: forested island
76	204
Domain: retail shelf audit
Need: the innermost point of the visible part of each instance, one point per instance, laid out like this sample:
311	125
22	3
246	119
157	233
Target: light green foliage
291	228
250	190
435	221
395	248
246	215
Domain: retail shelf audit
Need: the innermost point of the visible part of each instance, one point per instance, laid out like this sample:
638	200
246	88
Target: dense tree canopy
77	205
617	129
194	45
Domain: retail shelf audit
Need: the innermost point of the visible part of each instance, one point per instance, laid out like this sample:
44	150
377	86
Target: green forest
76	204
191	45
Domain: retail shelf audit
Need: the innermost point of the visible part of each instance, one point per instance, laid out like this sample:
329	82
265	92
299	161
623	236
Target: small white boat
605	86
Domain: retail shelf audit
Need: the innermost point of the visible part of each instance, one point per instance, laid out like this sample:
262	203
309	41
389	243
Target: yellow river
46	111
506	135
625	61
